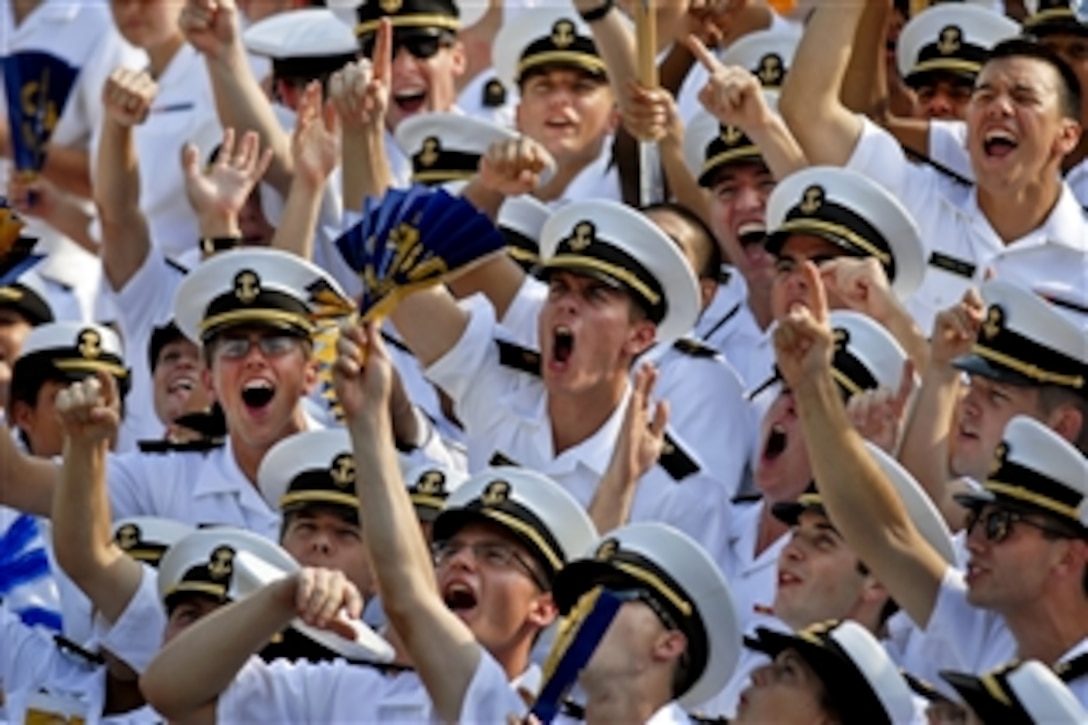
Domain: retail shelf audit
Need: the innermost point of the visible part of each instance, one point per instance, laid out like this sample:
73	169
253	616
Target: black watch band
211	245
597	13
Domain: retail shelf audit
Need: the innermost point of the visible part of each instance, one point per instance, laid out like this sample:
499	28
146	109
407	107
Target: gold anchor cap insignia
812	199
995	322
950	40
128	536
221	565
731	135
247	286
563	34
432	483
342	470
496	493
431	149
771	69
584	234
90	344
390	6
607	549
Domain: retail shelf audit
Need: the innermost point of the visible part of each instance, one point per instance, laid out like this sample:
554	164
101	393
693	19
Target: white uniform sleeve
130	486
295	692
880	157
470	371
147	299
490	698
520	320
136	636
29	659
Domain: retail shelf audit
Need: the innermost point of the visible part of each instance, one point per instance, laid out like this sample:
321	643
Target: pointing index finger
703	54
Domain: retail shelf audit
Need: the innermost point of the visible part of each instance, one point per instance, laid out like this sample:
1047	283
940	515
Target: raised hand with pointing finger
732	94
803	341
360	90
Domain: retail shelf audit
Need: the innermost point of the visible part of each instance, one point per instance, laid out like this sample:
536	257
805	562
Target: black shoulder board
700	719
68	646
518	357
201	445
720	323
394	342
1072	670
573	710
494	93
500	459
746	498
958	267
675	460
176	266
694	348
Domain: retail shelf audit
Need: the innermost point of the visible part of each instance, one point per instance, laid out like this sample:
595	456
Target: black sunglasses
999	522
647	598
420	45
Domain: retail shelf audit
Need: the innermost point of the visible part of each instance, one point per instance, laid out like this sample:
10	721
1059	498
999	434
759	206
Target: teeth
257	385
751	228
563	330
1000	135
778	428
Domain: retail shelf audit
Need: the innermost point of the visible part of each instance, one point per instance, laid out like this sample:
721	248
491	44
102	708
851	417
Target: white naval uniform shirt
183	112
753	579
330	692
490	698
30	661
191	487
728	326
707	407
953	228
599	180
505	415
145	302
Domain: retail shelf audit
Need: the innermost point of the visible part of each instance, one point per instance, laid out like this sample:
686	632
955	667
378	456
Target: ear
642	336
614	119
517	116
208	380
1068	137
873	592
707	289
310	376
22	415
1066	421
1073	560
458	60
670	645
543	611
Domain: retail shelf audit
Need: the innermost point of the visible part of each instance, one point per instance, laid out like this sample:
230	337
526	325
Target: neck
121	695
770	528
577	416
21	9
161	55
567	169
1016	212
759	302
248	456
632	699
1049	627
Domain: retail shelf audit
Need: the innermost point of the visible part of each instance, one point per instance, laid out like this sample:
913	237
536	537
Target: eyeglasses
998	524
492	554
419	45
236	348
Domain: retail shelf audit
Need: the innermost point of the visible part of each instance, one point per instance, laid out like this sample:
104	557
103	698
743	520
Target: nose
403	61
321	542
748	198
793	551
761	675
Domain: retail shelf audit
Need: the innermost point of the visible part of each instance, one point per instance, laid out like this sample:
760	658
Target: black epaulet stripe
938	167
701	719
675	460
953	265
573	710
66	645
176	266
747	498
517	357
1072	670
500	459
202	445
728	316
394	342
694	348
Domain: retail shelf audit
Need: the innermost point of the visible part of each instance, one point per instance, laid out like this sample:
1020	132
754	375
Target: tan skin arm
441	646
865	506
825	129
81	505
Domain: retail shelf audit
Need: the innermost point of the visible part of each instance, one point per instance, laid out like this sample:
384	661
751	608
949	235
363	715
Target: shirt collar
1064	225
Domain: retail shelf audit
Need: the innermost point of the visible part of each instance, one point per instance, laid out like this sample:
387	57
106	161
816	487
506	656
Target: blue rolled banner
579	634
37	86
413	238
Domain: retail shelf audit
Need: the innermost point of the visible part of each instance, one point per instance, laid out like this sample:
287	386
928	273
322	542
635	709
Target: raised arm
212	27
315	148
127	98
863	504
810	104
866	83
218	193
925	448
442	648
734	96
360	94
81	507
41	198
431	323
185	680
637	450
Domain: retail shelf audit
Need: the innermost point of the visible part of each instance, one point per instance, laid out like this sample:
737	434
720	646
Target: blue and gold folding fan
37	86
15	249
411	239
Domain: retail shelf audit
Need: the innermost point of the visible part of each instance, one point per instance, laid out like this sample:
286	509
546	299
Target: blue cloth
27	588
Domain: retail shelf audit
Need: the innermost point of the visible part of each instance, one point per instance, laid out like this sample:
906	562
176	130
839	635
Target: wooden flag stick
646	47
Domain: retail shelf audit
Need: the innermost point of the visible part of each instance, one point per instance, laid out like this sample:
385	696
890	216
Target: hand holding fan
413	239
15	249
37	86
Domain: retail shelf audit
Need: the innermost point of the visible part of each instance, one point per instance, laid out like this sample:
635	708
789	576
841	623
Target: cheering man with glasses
1025	591
252	311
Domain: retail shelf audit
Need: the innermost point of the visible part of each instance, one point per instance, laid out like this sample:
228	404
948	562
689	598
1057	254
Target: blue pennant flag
413	238
579	634
37	85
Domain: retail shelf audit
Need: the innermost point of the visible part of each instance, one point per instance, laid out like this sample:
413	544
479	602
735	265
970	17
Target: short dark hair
1069	90
709	253
1052	397
546	68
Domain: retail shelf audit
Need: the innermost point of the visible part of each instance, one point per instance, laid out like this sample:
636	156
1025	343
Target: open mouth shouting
410	100
460	598
257	395
751	233
775	446
999	143
562	348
